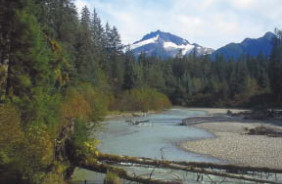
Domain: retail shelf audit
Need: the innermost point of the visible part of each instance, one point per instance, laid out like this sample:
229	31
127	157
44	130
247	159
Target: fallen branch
104	168
231	168
176	166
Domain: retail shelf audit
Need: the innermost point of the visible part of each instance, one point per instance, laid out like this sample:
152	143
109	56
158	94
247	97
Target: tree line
199	81
61	72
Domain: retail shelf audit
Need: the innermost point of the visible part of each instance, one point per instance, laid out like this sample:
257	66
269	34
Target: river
157	139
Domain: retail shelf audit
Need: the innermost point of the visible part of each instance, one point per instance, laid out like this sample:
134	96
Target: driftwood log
104	168
103	160
231	168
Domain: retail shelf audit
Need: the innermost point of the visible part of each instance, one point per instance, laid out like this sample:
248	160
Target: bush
142	100
84	103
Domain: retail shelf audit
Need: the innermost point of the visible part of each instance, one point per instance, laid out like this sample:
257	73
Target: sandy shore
231	144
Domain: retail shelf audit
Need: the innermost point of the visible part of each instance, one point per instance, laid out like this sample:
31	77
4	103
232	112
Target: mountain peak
151	35
269	35
159	31
164	44
165	36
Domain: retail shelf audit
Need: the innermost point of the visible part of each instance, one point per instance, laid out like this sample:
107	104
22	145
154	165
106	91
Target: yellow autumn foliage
75	106
142	100
11	134
84	103
38	146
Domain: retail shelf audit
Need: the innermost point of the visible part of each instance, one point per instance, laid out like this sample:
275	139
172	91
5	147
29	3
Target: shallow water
161	133
164	132
147	140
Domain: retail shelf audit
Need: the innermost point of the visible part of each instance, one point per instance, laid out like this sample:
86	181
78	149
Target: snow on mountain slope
166	45
144	42
186	49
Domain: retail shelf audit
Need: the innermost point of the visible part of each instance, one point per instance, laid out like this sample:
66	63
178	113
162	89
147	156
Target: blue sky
211	23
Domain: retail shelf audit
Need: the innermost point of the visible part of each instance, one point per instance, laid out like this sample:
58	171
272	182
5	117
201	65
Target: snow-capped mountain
166	45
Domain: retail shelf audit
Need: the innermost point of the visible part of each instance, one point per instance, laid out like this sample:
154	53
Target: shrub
142	100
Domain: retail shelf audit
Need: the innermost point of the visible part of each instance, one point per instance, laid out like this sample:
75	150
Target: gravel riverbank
231	144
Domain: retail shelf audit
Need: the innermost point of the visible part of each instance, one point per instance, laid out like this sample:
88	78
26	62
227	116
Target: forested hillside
60	73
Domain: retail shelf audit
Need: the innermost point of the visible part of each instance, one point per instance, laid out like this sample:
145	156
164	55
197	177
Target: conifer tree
129	72
85	58
98	38
276	66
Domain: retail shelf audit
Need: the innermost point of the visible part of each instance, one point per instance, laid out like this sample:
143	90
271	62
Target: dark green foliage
129	72
276	66
85	63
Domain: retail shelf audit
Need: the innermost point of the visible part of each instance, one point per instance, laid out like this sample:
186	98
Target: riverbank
233	145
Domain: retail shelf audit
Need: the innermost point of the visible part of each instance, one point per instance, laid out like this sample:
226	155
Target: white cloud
242	3
212	23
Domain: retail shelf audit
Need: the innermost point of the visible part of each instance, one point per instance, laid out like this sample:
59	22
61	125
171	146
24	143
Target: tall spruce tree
276	66
85	58
129	72
98	38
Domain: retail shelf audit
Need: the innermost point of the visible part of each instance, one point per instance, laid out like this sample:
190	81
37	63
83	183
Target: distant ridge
249	46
